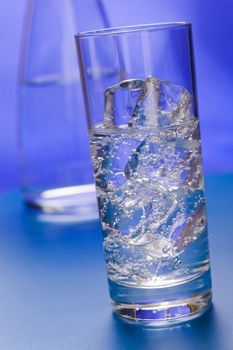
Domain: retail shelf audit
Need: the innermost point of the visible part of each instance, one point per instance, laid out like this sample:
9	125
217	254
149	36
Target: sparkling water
151	201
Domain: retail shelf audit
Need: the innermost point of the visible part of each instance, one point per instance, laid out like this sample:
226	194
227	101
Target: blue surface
54	294
212	29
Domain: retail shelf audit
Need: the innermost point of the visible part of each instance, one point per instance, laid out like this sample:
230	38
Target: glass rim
132	28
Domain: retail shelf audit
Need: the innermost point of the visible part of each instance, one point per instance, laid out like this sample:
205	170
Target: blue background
212	31
47	271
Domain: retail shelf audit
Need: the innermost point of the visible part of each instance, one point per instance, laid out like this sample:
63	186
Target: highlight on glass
141	107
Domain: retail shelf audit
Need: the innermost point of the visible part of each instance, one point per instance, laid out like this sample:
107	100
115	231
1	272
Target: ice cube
136	209
132	86
162	104
133	161
188	220
146	110
158	159
109	156
159	204
193	228
185	230
161	247
194	175
176	101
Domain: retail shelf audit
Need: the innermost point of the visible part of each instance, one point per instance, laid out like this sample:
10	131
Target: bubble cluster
149	184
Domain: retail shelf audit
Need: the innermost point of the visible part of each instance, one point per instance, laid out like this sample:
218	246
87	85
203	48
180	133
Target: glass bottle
56	174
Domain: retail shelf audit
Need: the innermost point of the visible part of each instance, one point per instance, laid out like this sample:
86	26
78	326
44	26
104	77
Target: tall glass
146	153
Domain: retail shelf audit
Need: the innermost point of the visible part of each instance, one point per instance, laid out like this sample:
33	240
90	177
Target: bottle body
56	173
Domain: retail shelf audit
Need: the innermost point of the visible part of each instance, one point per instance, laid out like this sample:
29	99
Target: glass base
77	202
166	313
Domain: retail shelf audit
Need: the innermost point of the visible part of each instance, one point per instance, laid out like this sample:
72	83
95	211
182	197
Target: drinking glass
146	152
